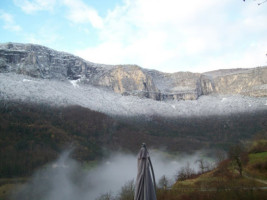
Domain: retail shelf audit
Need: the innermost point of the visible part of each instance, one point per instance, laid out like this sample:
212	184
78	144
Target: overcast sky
167	35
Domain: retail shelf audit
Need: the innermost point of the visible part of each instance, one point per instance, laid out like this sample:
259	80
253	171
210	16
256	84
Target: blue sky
167	35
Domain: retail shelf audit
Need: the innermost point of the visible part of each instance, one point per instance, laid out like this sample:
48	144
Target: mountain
51	99
37	74
41	62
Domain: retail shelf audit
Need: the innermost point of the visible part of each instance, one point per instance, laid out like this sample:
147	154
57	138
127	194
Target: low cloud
66	179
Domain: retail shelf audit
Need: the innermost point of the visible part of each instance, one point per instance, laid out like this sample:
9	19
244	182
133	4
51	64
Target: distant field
257	165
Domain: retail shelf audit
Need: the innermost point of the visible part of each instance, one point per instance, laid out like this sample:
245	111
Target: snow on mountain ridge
42	62
12	87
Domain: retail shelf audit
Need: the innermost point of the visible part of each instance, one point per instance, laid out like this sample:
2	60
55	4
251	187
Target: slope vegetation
34	134
225	182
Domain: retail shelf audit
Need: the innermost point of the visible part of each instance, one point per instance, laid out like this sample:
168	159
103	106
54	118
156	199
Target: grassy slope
224	182
213	186
257	165
7	185
214	181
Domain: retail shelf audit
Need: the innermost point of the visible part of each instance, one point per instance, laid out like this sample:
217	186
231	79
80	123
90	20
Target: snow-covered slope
25	88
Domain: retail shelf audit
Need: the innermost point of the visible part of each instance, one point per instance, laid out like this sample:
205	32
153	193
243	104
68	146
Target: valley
53	101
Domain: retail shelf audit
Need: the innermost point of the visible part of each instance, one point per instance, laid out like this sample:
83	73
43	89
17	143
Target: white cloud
9	22
35	5
46	35
168	34
79	12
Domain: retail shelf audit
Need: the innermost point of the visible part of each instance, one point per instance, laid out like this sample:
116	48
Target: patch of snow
75	83
223	99
27	80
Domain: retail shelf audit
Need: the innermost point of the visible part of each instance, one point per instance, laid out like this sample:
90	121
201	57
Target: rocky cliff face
249	82
42	62
255	82
176	86
129	80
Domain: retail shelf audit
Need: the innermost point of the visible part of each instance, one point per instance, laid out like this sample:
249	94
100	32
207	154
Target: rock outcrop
249	82
41	62
176	86
129	80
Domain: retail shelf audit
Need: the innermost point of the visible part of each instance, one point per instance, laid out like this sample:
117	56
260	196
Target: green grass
257	165
7	185
255	158
258	146
226	176
5	190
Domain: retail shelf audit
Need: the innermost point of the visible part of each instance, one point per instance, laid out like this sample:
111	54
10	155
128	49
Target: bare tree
106	196
163	182
201	165
235	154
185	173
220	156
127	191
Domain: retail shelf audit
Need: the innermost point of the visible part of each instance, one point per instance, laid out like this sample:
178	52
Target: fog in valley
66	179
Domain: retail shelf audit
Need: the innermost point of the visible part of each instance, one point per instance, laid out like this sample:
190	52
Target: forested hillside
33	134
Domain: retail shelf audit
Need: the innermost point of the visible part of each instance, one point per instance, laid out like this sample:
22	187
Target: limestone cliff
42	62
129	80
176	86
250	82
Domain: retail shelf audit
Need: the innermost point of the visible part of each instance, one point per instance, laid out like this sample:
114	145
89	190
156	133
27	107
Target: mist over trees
35	134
